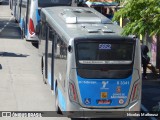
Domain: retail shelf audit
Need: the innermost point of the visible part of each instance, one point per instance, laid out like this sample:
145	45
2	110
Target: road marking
145	110
6	24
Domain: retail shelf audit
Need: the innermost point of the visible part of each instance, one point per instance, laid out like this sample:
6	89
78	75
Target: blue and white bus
91	68
14	6
30	15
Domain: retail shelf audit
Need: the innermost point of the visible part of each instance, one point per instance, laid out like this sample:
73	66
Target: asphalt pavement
151	92
21	81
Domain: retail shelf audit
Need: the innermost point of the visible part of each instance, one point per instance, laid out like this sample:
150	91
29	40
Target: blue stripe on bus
21	23
37	15
91	91
61	100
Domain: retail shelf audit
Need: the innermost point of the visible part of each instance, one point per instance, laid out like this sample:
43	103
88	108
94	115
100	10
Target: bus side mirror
38	29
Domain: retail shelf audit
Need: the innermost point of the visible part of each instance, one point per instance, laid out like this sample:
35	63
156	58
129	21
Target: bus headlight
72	92
136	91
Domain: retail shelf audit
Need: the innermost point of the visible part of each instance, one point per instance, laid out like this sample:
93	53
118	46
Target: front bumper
132	109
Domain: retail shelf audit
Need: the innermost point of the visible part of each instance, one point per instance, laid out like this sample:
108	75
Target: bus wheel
43	70
22	33
56	103
16	21
35	44
42	66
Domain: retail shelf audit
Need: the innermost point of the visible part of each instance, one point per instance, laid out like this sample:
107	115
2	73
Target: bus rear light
72	92
31	27
136	92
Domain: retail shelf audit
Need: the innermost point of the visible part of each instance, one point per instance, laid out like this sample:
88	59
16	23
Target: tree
143	16
120	1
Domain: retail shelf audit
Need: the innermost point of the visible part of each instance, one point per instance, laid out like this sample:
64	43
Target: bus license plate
107	102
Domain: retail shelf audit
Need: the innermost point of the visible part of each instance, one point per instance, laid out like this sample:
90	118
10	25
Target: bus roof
74	22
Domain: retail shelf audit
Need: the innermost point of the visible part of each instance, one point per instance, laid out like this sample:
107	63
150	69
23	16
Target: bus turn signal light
136	91
72	92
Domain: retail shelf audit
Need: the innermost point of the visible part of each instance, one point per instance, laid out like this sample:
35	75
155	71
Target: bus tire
22	33
35	44
43	71
56	102
42	65
16	21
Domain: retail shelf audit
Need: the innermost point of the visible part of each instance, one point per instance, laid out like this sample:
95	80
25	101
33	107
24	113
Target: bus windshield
105	53
111	59
49	3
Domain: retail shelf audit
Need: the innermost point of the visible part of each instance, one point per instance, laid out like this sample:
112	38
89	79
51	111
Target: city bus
29	11
88	64
15	9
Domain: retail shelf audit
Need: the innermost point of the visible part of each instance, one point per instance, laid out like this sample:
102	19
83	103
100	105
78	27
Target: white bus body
92	69
30	15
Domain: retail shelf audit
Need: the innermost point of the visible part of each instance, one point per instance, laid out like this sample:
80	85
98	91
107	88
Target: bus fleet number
104	46
123	83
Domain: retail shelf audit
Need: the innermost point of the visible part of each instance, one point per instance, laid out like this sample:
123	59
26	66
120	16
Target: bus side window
60	59
50	39
42	36
60	49
63	50
57	47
